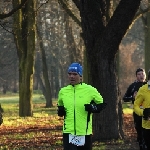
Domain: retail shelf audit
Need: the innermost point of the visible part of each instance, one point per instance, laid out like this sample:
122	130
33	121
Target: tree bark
15	9
45	83
147	42
102	43
24	28
48	93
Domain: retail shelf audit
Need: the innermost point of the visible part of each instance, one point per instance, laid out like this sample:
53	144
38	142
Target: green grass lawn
10	104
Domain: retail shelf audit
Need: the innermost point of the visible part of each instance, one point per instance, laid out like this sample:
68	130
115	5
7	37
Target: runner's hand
146	113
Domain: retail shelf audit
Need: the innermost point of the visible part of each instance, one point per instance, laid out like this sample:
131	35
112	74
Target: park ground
44	130
26	137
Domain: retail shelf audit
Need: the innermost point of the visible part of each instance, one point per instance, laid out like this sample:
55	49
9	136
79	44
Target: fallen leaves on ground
43	135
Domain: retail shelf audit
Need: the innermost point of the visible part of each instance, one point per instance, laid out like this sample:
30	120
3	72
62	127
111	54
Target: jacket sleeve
61	109
60	102
129	94
137	103
96	96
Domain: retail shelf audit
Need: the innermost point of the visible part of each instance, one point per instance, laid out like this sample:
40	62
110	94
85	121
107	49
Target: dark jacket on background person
131	89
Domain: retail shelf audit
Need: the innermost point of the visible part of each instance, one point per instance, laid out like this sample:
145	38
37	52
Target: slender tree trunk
48	94
47	87
37	69
15	78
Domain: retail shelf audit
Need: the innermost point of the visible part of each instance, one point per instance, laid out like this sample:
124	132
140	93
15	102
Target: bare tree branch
5	28
3	16
140	13
77	3
63	4
42	5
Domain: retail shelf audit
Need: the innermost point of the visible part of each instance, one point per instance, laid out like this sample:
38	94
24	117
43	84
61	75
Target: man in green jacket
77	102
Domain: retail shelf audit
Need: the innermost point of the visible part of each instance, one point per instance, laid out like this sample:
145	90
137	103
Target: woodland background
55	28
52	29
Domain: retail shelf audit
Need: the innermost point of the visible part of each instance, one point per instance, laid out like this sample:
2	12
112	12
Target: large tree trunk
24	27
102	44
147	42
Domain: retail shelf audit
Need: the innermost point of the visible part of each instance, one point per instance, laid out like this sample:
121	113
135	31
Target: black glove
94	108
146	113
90	108
61	111
102	106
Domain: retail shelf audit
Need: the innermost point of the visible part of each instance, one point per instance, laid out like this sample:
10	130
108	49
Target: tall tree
24	29
46	87
102	43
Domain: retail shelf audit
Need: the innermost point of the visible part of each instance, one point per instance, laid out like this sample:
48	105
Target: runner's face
141	76
74	78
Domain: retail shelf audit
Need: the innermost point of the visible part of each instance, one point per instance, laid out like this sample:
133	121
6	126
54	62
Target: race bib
77	140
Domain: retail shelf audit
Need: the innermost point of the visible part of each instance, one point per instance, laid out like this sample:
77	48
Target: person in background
143	97
1	115
130	97
76	103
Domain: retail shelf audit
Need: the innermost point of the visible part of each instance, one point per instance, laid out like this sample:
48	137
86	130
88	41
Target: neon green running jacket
73	99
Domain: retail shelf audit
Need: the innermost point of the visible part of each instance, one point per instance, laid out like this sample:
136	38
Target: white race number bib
77	140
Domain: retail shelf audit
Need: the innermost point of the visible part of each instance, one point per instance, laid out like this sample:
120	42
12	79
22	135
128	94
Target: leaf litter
45	133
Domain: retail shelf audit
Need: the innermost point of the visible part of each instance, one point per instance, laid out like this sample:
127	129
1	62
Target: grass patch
10	104
127	108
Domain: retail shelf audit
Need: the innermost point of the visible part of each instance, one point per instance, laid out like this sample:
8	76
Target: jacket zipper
74	115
